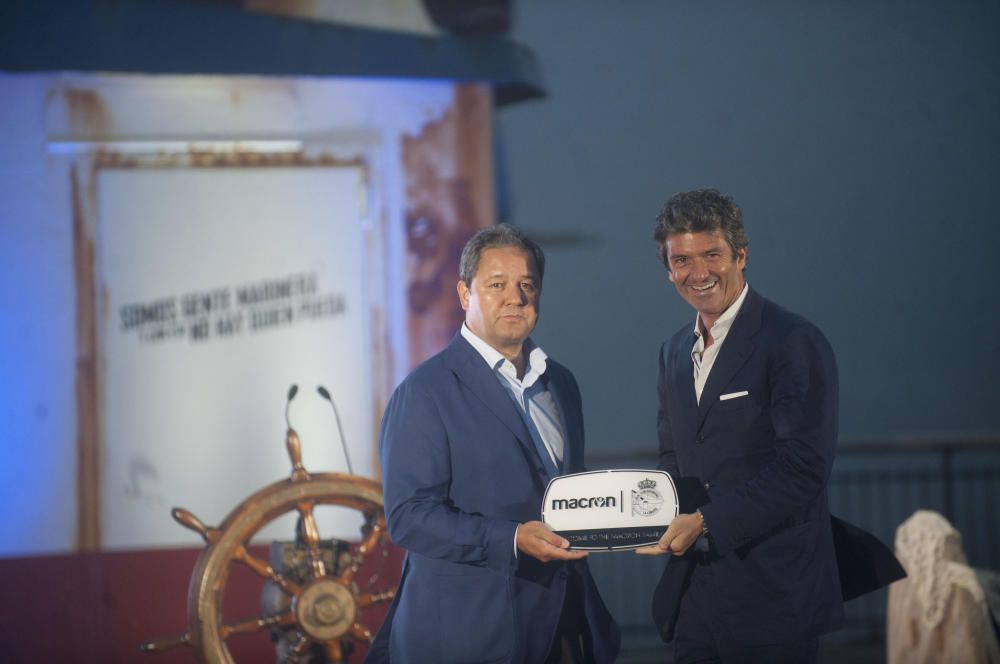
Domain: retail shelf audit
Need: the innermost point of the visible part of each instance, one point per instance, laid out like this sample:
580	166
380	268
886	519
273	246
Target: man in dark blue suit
468	444
748	409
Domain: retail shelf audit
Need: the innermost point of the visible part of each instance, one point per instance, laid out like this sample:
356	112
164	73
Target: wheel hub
325	610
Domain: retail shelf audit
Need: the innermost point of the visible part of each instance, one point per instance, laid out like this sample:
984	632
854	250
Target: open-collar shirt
703	358
531	393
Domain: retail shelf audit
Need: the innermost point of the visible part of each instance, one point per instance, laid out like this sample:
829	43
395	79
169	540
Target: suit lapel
572	431
736	349
683	378
680	386
470	368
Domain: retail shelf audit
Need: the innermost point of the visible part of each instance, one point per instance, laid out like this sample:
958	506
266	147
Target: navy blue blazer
460	471
764	459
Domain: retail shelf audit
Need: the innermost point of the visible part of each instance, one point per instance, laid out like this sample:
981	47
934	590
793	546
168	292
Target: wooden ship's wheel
323	600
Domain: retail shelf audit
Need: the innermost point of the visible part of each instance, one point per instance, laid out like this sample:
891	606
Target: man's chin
515	336
699	305
515	327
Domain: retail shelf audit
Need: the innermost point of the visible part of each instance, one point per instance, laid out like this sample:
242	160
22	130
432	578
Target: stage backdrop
223	287
191	247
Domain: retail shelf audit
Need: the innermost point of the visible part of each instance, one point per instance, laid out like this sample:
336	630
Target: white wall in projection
222	287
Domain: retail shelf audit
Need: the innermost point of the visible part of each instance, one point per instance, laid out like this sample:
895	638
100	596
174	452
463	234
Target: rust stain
474	106
88	534
194	158
380	360
88	115
449	196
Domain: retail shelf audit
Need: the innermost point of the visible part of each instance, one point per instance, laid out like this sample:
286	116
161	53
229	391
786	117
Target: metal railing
875	485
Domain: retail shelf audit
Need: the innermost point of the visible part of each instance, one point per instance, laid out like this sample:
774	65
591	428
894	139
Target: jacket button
699	439
708	485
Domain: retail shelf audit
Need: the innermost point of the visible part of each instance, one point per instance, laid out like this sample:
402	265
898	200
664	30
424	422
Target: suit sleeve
668	457
804	386
416	475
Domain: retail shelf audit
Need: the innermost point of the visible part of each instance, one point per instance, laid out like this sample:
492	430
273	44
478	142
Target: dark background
860	139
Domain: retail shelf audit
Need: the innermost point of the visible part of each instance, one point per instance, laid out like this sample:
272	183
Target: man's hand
536	540
683	531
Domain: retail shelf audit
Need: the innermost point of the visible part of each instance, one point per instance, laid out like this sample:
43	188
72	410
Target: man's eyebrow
504	275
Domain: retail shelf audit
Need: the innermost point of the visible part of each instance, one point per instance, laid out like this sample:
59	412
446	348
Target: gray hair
499	235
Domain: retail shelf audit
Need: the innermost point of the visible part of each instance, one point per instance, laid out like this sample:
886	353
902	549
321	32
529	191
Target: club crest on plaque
646	501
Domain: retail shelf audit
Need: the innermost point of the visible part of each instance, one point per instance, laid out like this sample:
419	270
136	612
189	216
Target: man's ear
741	258
463	295
670	276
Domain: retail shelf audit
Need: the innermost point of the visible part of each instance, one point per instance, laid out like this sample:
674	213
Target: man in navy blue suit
468	444
748	410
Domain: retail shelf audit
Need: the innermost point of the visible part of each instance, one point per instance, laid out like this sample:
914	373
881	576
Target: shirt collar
536	357
722	324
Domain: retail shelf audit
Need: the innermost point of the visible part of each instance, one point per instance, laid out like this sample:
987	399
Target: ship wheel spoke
384	543
367	545
166	643
300	647
257	623
191	522
262	569
365	600
361	633
334	651
310	535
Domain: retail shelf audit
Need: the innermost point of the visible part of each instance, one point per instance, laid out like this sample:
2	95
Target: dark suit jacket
460	471
764	460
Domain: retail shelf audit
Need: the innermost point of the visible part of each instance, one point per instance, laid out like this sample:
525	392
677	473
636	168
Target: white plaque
610	510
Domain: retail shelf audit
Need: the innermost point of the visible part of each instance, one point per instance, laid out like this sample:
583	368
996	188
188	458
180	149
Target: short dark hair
700	211
498	235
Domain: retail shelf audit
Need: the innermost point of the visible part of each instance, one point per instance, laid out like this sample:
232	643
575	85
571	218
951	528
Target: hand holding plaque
610	510
537	540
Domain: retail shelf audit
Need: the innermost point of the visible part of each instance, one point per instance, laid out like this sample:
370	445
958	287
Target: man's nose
516	295
699	270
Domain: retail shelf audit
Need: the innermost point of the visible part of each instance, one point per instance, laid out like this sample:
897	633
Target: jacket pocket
734	415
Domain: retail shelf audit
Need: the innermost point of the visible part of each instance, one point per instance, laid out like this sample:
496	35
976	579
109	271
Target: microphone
343	443
292	391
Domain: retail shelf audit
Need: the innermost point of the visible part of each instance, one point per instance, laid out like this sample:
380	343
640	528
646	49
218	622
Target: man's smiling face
707	273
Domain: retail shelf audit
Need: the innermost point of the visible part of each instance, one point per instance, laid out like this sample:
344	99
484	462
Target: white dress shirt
703	358
537	403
